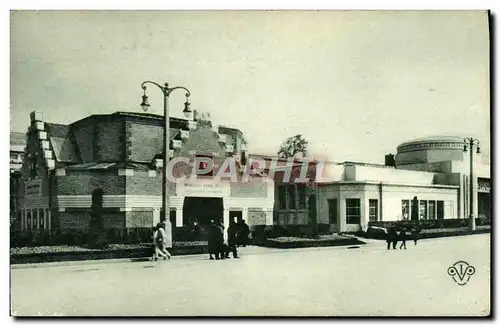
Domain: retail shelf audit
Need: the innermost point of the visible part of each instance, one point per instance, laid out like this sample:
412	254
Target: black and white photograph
250	163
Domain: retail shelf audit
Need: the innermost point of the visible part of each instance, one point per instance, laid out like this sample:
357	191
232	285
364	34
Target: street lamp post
471	142
166	145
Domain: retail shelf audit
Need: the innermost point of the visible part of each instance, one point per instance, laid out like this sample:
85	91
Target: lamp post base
472	223
168	234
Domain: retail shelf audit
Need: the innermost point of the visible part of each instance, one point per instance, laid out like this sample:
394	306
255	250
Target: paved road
368	281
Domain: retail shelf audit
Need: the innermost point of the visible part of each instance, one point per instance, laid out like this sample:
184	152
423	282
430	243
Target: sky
355	84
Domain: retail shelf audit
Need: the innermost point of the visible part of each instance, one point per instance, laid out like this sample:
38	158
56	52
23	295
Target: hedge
431	224
320	241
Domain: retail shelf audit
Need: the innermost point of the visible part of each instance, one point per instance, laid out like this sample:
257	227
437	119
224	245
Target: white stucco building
428	179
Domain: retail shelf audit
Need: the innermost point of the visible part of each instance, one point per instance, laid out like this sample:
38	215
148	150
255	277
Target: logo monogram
461	272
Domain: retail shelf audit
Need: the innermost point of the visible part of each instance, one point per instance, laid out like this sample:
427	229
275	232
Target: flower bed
23	255
320	241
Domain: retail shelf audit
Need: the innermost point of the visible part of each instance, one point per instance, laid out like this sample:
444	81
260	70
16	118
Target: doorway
235	216
201	210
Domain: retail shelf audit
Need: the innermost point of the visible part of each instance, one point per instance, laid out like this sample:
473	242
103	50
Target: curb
260	251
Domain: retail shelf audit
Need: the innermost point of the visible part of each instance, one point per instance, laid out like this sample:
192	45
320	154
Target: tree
293	146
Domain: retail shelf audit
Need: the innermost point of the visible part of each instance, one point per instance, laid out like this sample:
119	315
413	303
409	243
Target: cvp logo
461	272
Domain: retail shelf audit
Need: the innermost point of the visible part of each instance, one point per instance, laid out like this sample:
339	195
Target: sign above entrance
33	188
206	190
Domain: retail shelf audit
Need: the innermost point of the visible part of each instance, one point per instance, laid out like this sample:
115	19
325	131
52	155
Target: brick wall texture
141	185
80	220
85	182
144	141
110	141
84	136
139	219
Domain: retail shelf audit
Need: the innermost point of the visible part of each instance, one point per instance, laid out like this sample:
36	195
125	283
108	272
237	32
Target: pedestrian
415	233
219	238
213	246
158	240
163	246
231	240
402	237
392	237
243	232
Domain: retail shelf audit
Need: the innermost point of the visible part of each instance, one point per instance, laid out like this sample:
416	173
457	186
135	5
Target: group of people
396	234
237	235
159	236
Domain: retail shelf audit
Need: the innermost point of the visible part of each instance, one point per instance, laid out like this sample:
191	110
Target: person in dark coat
402	237
392	237
232	231
415	233
213	241
221	251
243	232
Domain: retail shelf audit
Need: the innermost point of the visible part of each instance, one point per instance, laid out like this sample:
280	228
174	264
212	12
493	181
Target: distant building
430	180
17	145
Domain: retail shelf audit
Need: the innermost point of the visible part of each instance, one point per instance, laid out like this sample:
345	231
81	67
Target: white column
244	214
156	216
365	212
342	216
49	219
179	217
463	194
37	210
475	204
225	217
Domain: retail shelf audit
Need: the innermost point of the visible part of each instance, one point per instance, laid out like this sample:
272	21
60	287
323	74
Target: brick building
17	144
120	154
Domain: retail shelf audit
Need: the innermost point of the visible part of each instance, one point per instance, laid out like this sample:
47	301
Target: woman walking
402	237
159	243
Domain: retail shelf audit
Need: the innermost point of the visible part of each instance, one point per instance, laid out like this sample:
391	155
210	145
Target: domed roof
433	142
434	139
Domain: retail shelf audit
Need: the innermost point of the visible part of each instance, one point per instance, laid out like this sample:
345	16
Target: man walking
242	233
232	239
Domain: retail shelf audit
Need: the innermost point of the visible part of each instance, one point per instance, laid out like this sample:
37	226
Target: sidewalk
249	250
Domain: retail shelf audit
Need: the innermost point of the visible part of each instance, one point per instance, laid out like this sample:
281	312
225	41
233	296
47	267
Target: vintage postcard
250	163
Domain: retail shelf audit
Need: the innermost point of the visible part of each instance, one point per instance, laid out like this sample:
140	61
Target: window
301	189
281	197
13	157
405	209
423	210
332	211
353	211
291	197
440	209
432	209
373	204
